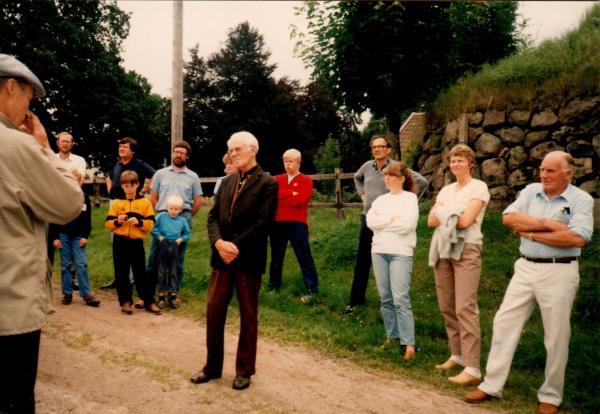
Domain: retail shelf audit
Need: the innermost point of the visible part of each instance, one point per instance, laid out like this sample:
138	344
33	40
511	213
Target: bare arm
521	222
432	220
197	204
562	238
154	198
147	184
470	214
108	184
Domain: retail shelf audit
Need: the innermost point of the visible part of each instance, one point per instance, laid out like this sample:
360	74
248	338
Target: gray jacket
34	189
447	241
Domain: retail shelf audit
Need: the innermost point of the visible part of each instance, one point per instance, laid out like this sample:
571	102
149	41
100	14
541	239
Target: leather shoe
547	408
449	364
126	308
200	378
241	383
477	396
464	379
153	308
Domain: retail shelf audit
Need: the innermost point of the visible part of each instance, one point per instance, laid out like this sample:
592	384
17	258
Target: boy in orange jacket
130	219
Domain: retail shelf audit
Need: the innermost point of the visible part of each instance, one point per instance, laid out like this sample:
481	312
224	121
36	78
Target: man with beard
178	180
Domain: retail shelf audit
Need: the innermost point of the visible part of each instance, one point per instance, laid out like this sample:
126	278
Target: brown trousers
456	282
220	292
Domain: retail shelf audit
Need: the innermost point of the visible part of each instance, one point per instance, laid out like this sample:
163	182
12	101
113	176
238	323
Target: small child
130	219
72	239
171	230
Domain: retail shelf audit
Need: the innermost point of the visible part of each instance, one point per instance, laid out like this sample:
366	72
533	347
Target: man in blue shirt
176	179
554	220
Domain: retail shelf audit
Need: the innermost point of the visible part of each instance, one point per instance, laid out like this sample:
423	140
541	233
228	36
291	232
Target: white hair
244	137
292	153
175	201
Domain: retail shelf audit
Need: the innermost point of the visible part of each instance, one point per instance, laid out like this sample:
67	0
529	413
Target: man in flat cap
34	188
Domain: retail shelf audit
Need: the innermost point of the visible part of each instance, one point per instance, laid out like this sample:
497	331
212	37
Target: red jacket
293	207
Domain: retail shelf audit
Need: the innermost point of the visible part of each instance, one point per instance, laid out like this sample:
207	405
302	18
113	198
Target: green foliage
235	90
326	161
392	56
321	326
74	47
411	153
556	71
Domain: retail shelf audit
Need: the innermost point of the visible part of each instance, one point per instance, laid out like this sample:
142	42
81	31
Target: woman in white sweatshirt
393	220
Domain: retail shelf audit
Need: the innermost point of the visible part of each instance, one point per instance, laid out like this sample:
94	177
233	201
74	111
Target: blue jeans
72	252
392	274
152	267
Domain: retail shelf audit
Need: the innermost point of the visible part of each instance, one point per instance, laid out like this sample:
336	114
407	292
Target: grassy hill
322	326
555	71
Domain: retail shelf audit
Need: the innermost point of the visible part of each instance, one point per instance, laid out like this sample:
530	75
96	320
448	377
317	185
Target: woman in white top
393	220
457	280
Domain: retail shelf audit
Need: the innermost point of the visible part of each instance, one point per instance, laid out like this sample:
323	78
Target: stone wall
511	144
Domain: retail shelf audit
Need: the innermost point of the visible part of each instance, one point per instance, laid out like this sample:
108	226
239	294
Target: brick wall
414	127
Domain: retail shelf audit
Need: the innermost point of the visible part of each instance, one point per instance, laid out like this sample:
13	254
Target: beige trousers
456	283
553	287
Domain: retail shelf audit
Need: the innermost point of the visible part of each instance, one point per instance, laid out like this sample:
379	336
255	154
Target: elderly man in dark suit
238	226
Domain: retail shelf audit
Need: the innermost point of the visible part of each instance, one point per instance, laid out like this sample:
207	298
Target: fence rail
337	176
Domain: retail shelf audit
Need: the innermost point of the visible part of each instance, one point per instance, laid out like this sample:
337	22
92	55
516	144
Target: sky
148	49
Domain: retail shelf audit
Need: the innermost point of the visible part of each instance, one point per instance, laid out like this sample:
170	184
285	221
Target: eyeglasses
379	147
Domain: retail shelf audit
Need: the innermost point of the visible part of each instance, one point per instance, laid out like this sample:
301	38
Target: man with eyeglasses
176	179
238	227
370	185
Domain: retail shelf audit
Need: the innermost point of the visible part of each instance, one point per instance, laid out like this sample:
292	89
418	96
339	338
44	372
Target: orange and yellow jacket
140	208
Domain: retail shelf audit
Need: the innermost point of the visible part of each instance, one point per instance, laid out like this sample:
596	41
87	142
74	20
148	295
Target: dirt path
99	361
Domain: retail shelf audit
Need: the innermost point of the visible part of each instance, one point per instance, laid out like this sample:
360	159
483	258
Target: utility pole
177	86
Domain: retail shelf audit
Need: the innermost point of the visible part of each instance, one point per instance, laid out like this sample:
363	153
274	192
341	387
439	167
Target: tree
235	90
392	56
74	48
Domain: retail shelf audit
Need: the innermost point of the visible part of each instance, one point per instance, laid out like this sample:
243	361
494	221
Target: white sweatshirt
393	220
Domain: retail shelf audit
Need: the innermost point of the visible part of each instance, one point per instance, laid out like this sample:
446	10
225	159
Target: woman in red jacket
295	191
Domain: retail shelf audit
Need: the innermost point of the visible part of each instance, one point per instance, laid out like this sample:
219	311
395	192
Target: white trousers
553	286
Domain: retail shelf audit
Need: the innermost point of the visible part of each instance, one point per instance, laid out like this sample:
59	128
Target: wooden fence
337	176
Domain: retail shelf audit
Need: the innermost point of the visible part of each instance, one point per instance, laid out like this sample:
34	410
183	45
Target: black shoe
111	285
348	310
241	383
90	300
200	378
67	299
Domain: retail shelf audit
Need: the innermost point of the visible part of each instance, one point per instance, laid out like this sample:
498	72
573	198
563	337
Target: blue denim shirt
167	182
573	206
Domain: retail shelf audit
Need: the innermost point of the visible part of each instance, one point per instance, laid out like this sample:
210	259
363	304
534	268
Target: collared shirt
167	182
369	180
290	177
74	162
573	206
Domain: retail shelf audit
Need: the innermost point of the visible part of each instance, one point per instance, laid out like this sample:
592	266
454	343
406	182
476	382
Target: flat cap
10	67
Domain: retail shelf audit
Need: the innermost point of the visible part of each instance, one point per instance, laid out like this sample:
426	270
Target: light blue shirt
573	206
171	228
167	182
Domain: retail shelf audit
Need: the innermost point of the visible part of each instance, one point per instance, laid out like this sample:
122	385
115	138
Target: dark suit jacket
249	224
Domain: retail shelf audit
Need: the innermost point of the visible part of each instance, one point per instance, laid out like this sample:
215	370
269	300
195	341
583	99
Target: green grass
546	76
322	326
